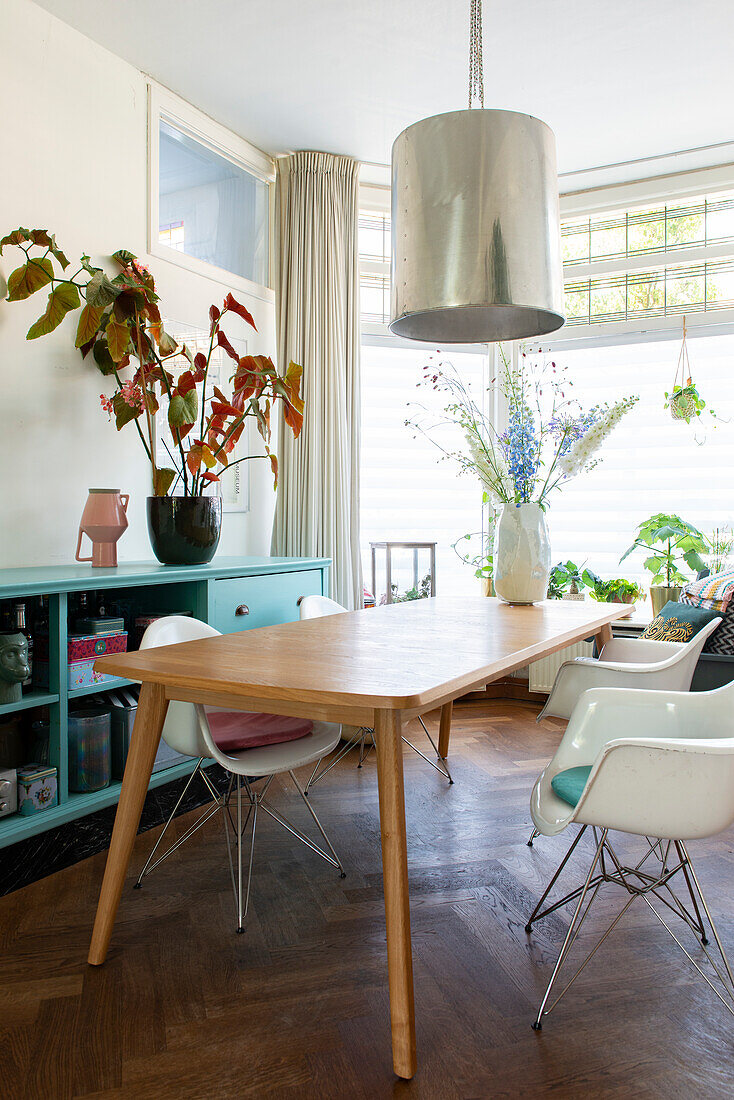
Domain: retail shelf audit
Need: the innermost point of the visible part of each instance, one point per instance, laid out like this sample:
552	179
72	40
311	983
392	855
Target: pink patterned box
84	646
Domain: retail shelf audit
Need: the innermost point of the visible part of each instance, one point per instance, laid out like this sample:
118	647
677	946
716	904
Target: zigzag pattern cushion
714	592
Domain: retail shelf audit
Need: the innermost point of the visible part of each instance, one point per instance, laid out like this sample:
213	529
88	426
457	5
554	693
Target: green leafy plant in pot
567	581
120	325
616	590
671	541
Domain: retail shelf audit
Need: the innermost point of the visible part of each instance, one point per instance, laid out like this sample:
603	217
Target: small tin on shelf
37	789
83	651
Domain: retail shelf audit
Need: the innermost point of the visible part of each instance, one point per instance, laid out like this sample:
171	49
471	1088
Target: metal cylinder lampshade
476	241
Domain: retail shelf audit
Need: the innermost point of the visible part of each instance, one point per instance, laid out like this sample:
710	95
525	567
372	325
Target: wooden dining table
377	668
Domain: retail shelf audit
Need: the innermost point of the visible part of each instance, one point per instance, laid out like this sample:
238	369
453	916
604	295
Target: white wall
73	138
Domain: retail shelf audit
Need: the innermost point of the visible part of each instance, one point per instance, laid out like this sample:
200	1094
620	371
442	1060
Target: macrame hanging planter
684	401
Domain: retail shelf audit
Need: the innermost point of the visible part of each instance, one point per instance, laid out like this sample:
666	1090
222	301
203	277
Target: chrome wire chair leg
150	865
533	836
644	884
442	767
341	753
240	828
363	753
258	802
573	929
536	914
319	826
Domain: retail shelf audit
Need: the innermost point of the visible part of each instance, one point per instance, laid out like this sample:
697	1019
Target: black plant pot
184	530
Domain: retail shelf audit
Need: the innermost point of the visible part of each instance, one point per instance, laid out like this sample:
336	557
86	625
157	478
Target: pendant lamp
476	239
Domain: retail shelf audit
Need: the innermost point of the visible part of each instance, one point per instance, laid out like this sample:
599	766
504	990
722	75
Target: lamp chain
476	72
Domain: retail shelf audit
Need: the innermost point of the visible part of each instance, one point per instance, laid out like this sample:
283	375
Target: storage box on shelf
232	594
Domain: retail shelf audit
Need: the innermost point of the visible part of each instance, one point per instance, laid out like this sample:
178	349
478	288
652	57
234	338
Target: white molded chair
316	607
659	764
188	730
627	662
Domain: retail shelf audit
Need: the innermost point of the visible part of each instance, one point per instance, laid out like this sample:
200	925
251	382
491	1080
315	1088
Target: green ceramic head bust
13	665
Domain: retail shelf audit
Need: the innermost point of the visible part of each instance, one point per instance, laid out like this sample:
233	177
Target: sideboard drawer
242	603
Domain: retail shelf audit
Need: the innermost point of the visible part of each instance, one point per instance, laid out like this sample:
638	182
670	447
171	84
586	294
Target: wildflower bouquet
549	438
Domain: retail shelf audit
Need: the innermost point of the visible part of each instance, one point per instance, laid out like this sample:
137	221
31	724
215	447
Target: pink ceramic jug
104	520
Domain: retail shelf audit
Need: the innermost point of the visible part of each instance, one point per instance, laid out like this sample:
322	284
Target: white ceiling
616	79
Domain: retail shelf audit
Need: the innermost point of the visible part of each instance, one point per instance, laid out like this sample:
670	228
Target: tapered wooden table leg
397	901
144	743
602	636
444	730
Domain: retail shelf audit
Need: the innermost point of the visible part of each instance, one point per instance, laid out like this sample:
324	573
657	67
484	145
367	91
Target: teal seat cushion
569	785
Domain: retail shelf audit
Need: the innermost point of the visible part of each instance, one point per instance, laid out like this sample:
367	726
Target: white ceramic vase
521	554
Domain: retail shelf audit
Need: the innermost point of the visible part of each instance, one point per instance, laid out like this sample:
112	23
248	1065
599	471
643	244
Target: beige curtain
317	284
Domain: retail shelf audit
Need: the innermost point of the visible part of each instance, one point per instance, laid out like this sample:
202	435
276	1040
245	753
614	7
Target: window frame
163	106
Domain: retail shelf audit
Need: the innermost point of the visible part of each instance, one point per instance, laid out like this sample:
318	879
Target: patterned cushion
722	639
714	592
678	622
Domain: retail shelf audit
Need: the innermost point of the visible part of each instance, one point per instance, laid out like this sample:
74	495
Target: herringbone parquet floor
297	1007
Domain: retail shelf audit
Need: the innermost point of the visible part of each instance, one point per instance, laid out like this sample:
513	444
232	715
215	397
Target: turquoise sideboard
230	593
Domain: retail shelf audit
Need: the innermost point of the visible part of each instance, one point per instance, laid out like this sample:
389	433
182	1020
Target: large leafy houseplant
120	325
671	541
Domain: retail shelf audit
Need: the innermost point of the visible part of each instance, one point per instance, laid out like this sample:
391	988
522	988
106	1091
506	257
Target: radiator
542	673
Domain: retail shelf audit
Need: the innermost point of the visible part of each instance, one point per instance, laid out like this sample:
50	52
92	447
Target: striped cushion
714	592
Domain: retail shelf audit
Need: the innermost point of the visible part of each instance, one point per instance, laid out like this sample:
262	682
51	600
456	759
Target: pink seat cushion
235	730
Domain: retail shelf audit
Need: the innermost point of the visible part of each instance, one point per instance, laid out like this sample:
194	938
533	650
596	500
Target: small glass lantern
403	571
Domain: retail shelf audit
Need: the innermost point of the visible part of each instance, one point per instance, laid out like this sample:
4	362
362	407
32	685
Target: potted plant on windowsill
120	325
617	590
567	581
670	541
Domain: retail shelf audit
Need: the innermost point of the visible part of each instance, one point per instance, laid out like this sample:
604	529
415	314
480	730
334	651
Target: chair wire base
672	859
211	809
360	740
257	802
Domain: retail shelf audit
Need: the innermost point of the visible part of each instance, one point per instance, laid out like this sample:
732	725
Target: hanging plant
684	401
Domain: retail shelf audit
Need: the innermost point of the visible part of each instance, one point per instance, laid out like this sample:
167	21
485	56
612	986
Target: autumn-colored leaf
223	408
45	239
124	413
200	452
26	280
224	343
123	257
182	409
214	315
293	382
186	383
293	418
208	477
61	300
234	306
274	467
18	236
118	337
102	357
162	480
100	291
89	320
151	401
200	365
167	345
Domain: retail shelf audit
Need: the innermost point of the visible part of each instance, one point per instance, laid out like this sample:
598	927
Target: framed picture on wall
234	486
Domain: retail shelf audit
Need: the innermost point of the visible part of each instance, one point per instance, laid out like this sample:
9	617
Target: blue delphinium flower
521	446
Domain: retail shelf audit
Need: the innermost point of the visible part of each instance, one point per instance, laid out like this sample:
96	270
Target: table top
402	656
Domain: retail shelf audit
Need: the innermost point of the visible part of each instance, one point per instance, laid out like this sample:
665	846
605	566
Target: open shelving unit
268	587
